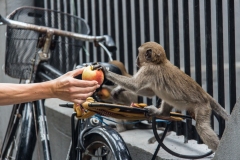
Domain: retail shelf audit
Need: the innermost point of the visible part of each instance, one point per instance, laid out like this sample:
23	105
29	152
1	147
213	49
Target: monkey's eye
148	54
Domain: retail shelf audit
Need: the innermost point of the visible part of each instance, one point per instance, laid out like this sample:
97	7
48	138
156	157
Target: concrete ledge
136	140
230	141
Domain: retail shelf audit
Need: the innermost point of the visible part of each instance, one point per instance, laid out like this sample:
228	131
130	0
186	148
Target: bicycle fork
43	129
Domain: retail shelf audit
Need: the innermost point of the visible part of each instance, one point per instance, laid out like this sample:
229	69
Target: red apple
90	74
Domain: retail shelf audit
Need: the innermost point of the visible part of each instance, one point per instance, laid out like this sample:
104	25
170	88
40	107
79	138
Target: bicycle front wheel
98	148
108	146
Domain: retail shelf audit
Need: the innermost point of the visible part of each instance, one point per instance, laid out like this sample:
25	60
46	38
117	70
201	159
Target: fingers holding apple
92	73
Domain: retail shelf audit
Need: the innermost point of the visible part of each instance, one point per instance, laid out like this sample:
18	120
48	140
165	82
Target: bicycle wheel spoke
98	150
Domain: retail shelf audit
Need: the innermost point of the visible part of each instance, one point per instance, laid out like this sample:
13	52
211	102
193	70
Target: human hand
71	89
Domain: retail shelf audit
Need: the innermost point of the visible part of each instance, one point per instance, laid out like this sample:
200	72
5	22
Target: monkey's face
150	53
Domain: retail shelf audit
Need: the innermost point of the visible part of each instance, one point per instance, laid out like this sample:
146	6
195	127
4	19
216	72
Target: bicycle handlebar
43	29
110	45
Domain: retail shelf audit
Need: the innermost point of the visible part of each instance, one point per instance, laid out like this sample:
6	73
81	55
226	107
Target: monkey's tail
219	109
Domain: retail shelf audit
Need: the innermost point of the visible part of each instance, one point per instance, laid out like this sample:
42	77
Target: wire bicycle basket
22	45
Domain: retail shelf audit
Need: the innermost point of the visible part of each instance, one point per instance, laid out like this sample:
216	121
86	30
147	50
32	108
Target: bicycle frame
14	120
43	129
29	137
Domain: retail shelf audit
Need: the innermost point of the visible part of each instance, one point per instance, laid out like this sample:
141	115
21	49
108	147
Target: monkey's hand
105	70
153	111
116	91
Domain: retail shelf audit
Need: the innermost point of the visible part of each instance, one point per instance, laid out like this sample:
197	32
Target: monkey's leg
204	129
165	108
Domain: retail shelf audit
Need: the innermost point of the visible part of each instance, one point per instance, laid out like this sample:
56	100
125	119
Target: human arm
65	87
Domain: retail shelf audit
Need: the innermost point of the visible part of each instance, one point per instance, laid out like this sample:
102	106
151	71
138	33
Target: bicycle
35	68
88	135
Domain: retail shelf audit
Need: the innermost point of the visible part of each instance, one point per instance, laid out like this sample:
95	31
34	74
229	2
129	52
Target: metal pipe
232	53
166	28
51	69
43	76
176	53
208	42
197	45
220	61
197	42
187	66
43	129
43	29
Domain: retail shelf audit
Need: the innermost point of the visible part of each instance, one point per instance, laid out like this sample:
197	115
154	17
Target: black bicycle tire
171	151
95	137
24	148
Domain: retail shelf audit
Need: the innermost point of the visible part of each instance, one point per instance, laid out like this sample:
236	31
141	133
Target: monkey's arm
135	84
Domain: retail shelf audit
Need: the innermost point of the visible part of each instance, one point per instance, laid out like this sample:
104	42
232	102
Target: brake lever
109	42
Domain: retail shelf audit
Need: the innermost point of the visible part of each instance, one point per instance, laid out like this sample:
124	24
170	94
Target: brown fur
158	76
121	66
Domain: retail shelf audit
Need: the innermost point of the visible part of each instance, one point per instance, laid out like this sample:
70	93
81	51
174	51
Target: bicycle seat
111	67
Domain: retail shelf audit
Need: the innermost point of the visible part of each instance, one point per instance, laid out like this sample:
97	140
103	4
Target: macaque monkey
158	76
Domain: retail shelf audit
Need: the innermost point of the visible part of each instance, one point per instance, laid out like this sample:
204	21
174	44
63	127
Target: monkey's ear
148	54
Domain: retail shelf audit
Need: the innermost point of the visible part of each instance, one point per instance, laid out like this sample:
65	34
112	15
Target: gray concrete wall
229	144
